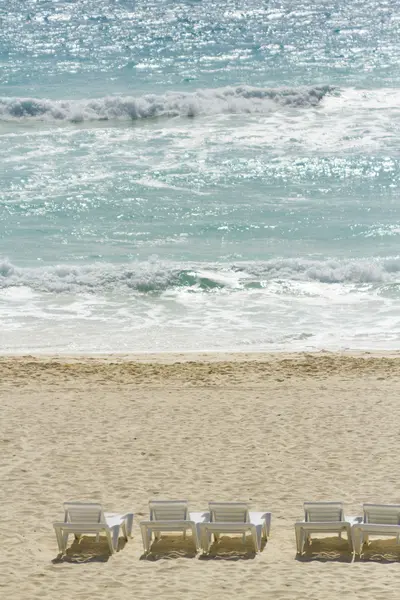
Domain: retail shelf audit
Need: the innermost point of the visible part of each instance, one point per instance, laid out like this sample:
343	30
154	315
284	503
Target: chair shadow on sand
384	551
232	548
175	546
334	549
170	547
86	549
327	549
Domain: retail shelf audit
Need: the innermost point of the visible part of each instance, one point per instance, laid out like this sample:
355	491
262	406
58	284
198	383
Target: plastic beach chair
170	515
379	520
89	518
234	517
322	517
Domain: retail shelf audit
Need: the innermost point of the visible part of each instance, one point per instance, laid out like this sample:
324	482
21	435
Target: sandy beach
272	430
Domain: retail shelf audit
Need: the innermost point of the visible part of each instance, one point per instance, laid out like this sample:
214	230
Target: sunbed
379	520
170	515
89	518
234	517
322	517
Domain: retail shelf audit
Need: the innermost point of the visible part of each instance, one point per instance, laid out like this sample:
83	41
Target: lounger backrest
229	512
83	512
323	512
384	514
169	510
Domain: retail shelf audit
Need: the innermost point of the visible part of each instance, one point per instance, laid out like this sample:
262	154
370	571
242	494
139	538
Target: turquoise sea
199	175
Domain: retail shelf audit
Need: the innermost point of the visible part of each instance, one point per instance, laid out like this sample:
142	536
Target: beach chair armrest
263	518
199	517
118	519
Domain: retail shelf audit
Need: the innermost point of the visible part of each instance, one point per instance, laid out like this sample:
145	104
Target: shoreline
198	356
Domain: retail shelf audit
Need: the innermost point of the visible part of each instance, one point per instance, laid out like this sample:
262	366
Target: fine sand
273	430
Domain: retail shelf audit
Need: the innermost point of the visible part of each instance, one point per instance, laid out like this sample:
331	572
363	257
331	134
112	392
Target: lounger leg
59	539
129	524
115	531
65	540
268	525
200	536
244	539
146	537
302	540
124	531
265	531
354	539
194	535
110	541
298	536
259	530
209	540
255	539
206	540
349	538
360	542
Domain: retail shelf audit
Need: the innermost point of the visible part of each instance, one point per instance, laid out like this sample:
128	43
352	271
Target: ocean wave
239	99
159	277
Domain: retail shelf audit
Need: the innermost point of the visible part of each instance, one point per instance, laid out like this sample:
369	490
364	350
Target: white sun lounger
321	517
89	517
170	515
380	520
234	517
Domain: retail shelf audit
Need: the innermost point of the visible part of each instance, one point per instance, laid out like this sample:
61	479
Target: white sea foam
272	305
152	277
301	315
239	99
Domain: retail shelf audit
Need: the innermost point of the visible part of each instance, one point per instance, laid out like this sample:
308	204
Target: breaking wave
157	277
240	99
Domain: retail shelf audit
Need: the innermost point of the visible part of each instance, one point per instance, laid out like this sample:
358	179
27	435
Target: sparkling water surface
199	175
